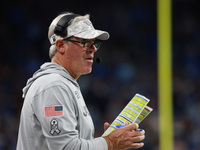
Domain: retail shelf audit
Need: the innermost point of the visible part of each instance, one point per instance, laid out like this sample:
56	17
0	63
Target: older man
54	115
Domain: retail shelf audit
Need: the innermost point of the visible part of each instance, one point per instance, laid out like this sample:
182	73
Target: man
54	115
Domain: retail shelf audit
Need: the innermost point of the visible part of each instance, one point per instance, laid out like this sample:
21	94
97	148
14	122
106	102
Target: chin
88	71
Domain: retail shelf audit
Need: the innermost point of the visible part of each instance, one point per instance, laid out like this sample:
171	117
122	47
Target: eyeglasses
87	44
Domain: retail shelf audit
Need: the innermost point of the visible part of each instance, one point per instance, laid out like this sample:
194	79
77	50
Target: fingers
106	126
137	145
137	138
138	133
125	123
133	142
132	126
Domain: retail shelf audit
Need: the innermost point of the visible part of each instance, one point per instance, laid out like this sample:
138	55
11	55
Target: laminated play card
135	111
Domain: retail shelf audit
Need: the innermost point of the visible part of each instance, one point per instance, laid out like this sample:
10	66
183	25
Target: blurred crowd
129	63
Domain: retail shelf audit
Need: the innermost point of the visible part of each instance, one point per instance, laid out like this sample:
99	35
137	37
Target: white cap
82	29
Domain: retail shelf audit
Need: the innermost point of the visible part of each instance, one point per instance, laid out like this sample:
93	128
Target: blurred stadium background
129	63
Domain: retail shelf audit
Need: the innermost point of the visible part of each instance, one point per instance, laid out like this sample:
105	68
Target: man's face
78	60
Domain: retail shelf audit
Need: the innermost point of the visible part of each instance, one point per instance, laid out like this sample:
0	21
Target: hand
125	138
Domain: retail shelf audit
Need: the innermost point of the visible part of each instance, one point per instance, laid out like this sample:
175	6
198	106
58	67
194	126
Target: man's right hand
125	137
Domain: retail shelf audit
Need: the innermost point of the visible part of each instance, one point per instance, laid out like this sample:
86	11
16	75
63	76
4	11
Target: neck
59	62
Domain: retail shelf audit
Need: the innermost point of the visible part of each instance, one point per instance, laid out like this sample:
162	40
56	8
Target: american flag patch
51	111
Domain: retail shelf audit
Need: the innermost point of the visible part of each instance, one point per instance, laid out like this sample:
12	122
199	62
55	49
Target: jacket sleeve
59	127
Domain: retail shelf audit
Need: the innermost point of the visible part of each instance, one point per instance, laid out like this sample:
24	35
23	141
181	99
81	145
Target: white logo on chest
77	94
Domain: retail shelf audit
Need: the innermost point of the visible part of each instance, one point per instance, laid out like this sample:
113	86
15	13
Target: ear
60	45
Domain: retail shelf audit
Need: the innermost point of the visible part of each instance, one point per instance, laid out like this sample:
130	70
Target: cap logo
54	38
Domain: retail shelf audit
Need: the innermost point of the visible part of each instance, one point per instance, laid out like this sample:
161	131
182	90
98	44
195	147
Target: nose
93	48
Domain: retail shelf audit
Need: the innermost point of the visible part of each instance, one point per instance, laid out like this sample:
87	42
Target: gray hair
53	49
